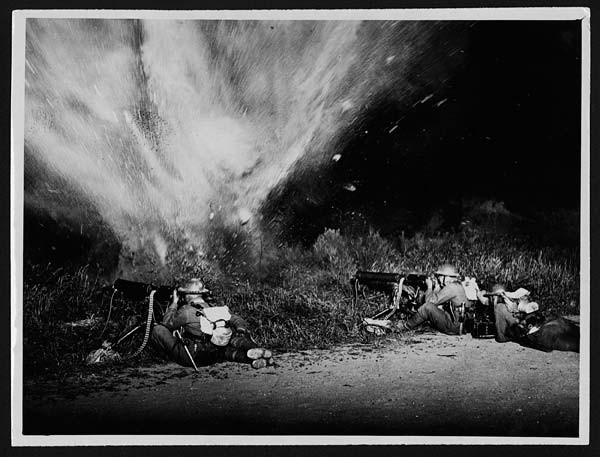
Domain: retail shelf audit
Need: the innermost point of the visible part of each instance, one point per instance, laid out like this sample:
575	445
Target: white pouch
529	307
199	322
221	336
214	317
471	288
519	293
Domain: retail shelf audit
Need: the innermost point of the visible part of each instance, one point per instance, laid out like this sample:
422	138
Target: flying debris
160	246
440	103
244	216
346	105
336	157
389	59
350	187
393	128
31	67
423	100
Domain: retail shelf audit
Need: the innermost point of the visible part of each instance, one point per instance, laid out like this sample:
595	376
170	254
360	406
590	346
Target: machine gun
135	290
138	291
406	293
405	290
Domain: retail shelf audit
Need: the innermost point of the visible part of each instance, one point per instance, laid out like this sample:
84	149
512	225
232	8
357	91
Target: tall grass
305	299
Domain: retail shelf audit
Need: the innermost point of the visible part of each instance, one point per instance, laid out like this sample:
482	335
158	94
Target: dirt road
420	384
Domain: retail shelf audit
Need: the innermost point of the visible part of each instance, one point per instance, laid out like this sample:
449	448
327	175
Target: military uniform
431	311
186	319
505	319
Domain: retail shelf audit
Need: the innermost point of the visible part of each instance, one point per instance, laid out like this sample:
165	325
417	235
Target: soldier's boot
259	363
259	353
402	326
261	357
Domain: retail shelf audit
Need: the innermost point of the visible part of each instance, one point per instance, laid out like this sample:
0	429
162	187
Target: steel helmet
447	270
194	286
498	288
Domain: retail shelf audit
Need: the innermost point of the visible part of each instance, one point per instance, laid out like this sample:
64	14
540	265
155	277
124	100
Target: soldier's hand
482	298
175	298
429	283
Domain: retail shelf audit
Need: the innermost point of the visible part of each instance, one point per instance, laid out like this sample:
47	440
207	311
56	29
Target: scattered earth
416	384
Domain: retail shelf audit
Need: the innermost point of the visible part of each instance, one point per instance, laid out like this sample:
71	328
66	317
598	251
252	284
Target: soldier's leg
438	318
243	349
163	340
418	318
442	321
504	319
558	334
568	338
207	354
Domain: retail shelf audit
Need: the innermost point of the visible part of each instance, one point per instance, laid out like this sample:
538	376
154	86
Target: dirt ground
417	384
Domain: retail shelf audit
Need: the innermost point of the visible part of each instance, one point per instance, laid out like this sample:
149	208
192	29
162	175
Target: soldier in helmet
197	334
505	310
444	297
519	319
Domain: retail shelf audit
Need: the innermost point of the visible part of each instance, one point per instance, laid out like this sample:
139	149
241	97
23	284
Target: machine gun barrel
371	276
375	279
140	290
493	297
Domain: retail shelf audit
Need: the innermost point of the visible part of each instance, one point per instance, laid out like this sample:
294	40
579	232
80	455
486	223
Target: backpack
201	321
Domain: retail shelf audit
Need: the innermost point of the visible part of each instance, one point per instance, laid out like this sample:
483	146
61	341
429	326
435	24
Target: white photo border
17	202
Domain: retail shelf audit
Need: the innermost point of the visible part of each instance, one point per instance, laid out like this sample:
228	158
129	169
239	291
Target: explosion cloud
158	125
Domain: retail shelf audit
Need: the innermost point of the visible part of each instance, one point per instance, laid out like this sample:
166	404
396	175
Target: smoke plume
163	128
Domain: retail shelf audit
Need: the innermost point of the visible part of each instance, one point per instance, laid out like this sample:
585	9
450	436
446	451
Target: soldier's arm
238	324
171	310
440	296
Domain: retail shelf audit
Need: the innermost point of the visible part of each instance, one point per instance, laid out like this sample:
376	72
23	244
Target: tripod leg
131	332
187	351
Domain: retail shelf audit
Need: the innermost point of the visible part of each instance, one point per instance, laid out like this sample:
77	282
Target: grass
301	299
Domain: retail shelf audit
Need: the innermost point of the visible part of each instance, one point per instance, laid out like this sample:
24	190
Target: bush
334	255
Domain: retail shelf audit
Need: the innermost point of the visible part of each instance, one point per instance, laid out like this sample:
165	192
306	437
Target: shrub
333	255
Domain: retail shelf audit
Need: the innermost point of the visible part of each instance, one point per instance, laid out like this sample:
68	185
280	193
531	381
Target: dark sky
508	131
